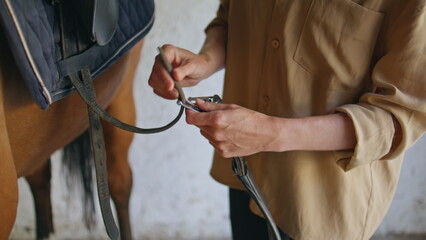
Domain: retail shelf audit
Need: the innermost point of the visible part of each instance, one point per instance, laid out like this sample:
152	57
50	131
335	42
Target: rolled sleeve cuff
215	23
374	131
221	18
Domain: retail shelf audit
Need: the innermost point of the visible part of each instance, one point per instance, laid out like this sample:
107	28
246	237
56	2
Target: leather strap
99	156
87	92
84	85
90	100
70	44
240	168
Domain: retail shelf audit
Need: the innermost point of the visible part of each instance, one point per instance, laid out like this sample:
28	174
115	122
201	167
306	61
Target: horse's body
30	135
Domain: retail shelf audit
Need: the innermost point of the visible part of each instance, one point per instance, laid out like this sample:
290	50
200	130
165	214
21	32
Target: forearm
319	133
214	48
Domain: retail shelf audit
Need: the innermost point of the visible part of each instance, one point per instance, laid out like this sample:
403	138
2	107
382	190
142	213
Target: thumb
209	106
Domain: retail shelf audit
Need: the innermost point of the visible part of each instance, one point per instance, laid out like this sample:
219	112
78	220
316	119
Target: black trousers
246	225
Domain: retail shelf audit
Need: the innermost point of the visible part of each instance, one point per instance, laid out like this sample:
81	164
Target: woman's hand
234	130
188	69
237	131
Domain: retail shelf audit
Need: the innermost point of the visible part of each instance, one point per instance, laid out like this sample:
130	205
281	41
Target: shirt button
275	43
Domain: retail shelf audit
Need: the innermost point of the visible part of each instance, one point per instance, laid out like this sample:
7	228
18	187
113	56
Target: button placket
273	44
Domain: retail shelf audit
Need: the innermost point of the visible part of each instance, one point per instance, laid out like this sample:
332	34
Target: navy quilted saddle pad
32	28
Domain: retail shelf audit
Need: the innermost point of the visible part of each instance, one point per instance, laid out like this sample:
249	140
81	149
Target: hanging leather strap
83	82
69	44
99	156
84	86
240	168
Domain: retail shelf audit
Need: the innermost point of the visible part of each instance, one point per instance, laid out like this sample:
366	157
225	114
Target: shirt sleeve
221	18
392	117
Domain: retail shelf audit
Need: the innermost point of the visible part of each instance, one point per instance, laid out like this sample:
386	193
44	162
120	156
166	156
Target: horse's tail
78	168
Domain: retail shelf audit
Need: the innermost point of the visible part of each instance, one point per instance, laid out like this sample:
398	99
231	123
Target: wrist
211	63
281	133
214	50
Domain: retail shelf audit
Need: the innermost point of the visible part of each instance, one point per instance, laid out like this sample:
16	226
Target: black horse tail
77	165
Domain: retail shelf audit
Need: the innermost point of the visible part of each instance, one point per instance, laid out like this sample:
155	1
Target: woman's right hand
188	69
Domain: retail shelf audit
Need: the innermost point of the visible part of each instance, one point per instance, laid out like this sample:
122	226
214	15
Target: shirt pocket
337	41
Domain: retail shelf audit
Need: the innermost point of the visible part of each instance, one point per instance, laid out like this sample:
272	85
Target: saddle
99	33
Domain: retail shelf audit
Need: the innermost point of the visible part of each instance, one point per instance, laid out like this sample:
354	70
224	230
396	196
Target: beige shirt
297	58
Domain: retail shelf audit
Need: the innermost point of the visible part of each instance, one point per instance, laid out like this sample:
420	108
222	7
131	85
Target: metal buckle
191	103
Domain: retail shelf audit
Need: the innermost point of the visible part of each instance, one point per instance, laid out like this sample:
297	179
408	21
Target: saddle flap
105	17
99	18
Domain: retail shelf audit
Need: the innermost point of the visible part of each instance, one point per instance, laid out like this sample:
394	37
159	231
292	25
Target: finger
159	75
224	148
167	95
214	143
206	135
215	119
213	133
165	92
160	79
161	82
169	52
198	119
221	149
181	72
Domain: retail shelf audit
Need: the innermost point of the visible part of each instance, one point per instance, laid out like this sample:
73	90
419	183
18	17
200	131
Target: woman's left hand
234	130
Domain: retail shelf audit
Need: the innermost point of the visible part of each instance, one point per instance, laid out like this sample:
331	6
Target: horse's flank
8	178
35	134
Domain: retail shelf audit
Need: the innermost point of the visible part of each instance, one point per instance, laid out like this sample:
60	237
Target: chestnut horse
29	135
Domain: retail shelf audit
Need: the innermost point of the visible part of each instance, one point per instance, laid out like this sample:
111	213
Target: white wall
407	213
173	195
